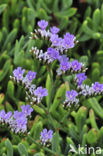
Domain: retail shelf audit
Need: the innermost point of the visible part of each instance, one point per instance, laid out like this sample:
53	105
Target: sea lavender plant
69	97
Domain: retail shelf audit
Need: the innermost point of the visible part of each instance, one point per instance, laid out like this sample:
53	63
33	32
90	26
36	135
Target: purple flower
54	30
56	41
53	53
97	87
76	65
4	117
71	95
63	58
26	109
68	41
64	65
21	121
7	115
80	78
18	73
42	24
31	75
46	136
40	92
21	124
17	115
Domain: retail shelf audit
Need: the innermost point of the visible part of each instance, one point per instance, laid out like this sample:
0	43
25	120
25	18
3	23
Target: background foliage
82	18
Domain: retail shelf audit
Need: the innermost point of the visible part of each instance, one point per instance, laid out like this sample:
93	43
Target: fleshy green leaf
2	7
22	150
9	148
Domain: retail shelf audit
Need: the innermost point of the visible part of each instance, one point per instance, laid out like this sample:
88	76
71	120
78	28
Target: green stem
52	121
42	106
51	79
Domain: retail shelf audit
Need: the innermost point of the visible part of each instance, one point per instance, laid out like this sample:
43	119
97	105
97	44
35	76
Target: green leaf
9	148
80	117
96	19
2	7
55	142
49	87
22	150
69	13
44	6
96	107
66	3
86	29
63	22
18	45
72	131
101	14
10	38
95	74
84	38
60	94
5	70
18	57
92	136
10	89
93	119
70	142
100	56
88	12
42	14
39	110
37	130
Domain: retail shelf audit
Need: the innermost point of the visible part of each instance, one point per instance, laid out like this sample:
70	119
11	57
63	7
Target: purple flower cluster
55	40
58	45
76	66
18	75
57	50
46	57
62	44
87	91
40	92
53	53
17	122
4	117
97	87
71	98
64	66
33	94
31	75
72	67
68	41
46	136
